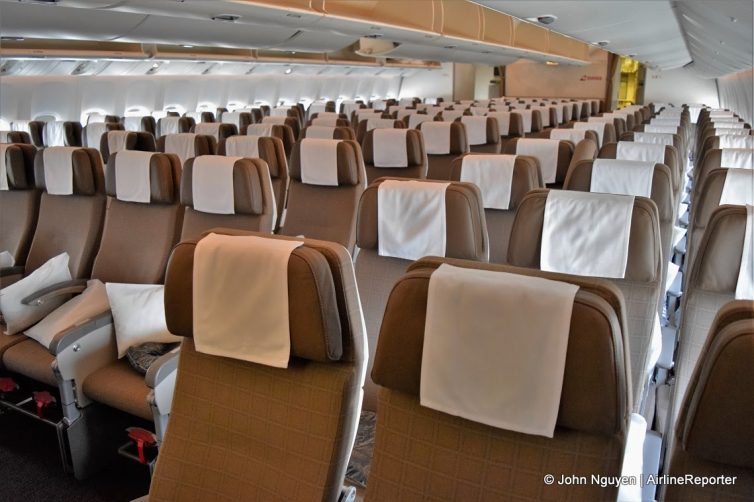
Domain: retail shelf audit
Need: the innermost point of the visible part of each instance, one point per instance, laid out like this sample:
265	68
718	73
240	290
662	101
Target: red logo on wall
588	77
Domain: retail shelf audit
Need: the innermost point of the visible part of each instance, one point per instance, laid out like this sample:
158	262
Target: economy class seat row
377	271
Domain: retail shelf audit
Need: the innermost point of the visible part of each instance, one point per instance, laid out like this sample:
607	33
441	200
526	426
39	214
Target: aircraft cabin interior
376	250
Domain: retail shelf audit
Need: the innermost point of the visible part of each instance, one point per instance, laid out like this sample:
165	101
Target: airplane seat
648	152
509	124
92	133
553	156
140	124
19	206
174	125
723	186
265	110
271	150
401	220
618	122
19	137
713	433
370	124
585	141
186	145
218	130
241	120
621	178
425	450
282	131
331	119
532	120
600	235
291	122
62	133
117	140
483	135
324	356
548	116
715	142
33	128
503	180
327	178
70	221
201	117
443	142
605	131
384	154
249	206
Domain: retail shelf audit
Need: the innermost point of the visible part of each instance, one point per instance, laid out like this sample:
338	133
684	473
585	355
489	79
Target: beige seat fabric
423	454
415	154
253	201
289	444
466	237
499	222
640	287
438	167
326	212
714	434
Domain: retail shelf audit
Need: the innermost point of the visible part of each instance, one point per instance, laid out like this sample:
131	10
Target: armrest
8	271
65	339
64	288
162	368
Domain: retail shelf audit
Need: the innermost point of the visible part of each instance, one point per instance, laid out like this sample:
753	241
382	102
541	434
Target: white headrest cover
116	141
232	118
411	220
132	180
20	125
375	123
58	164
740	158
736	141
54	133
503	121
654	138
451	115
169	125
242	146
511	317
525	118
183	145
274	120
738	189
94	132
572	135
320	131
415	120
586	233
132	124
476	129
661	129
647	152
720	131
622	177
260	129
389	148
208	129
493	174
436	137
212	184
319	161
546	153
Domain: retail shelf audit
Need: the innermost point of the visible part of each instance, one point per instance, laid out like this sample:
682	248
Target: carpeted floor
30	469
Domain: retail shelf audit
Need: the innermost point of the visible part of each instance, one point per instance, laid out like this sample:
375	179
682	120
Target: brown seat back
327	359
490	135
439	164
594	406
565	154
70	223
19	204
326	212
142	141
466	237
137	237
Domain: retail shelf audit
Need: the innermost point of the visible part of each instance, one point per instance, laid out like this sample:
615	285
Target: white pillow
88	304
6	259
138	314
18	316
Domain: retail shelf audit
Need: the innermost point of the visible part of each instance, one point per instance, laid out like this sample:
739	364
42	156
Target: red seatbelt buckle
7	385
43	399
143	438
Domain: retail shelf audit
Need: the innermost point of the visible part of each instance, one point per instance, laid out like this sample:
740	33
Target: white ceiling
661	33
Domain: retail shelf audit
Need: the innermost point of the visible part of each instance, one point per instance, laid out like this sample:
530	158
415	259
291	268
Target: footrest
143	446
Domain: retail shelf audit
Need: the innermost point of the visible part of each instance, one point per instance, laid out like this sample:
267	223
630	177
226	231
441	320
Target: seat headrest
644	258
525	177
319	303
164	174
249	175
449	137
19	165
596	334
349	163
466	234
84	164
267	148
481	130
414	147
715	418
